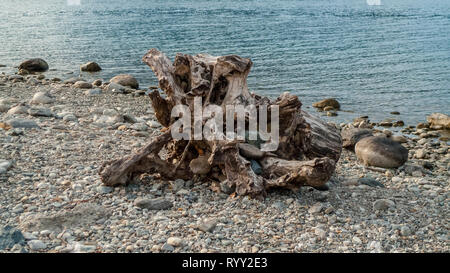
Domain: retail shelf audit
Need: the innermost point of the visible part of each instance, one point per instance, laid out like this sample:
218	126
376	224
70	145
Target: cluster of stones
53	141
31	72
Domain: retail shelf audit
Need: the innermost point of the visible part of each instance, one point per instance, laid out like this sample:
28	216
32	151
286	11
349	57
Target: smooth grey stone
22	123
153	204
381	152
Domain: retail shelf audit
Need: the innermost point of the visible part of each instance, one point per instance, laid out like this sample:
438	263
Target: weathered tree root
306	155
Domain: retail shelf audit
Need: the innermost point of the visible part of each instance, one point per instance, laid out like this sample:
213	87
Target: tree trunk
308	147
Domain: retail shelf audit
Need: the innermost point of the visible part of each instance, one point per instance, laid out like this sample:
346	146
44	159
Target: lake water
373	59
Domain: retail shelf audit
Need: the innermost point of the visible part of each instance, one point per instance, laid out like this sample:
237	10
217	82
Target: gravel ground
51	194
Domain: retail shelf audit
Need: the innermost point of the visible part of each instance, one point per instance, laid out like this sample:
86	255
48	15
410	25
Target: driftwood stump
307	152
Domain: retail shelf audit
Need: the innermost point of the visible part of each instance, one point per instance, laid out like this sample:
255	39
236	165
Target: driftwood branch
119	172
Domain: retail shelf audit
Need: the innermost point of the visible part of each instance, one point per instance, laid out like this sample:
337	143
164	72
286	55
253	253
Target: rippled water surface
373	59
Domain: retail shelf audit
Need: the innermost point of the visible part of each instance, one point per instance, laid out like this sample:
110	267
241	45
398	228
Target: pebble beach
56	133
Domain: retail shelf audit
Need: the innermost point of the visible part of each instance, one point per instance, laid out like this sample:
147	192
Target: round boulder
126	80
90	67
328	102
34	65
380	151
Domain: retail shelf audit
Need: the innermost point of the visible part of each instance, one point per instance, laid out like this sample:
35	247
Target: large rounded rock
34	65
438	119
90	67
381	152
126	80
351	136
328	103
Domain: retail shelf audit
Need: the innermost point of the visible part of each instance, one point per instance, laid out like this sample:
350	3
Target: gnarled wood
119	172
306	155
293	173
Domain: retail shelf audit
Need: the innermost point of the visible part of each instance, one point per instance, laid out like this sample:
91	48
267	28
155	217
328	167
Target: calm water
374	59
